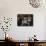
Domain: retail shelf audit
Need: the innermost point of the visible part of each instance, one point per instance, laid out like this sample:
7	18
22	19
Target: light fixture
36	3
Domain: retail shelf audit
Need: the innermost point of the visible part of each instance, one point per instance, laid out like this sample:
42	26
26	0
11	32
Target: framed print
25	20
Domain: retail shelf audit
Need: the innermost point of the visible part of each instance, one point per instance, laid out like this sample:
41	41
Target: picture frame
24	19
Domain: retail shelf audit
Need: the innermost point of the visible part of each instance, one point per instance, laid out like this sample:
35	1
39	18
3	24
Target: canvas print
25	20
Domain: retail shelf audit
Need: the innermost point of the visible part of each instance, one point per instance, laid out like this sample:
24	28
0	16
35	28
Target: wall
10	8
